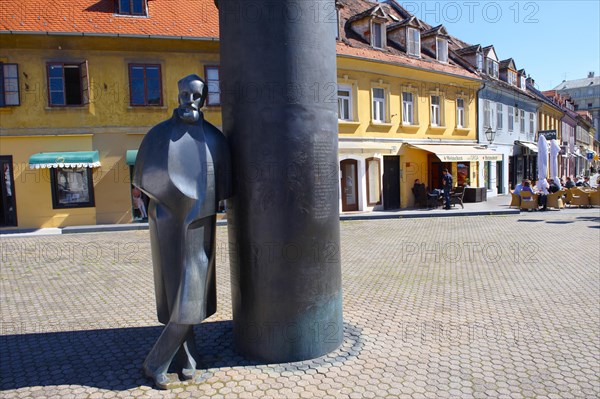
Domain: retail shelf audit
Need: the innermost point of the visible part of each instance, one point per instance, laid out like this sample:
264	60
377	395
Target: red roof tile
197	18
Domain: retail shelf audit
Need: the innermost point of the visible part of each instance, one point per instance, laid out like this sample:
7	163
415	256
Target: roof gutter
124	35
355	57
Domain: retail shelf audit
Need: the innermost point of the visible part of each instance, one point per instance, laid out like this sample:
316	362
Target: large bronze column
279	96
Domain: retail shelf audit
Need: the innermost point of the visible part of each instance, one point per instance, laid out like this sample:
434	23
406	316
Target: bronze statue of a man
183	165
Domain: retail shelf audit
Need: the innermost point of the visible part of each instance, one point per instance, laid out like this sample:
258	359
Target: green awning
130	157
76	159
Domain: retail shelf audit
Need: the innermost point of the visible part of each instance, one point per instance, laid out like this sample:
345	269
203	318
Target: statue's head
192	93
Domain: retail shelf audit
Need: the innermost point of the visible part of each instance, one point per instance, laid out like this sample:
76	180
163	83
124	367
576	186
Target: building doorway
499	177
8	208
391	182
435	172
349	184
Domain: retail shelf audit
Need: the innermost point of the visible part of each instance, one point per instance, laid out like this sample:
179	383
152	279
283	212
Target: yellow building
80	89
89	84
407	107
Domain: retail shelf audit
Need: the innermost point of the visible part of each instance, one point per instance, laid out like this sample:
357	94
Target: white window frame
461	121
522	122
499	116
441	53
479	61
436	110
491	67
348	99
381	35
487	122
379	105
412	109
531	122
511	120
214	85
413	47
512	78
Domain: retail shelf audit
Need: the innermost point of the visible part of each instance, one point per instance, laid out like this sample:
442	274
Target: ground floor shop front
85	179
380	175
63	180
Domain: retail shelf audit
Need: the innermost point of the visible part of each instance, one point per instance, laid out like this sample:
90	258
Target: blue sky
553	40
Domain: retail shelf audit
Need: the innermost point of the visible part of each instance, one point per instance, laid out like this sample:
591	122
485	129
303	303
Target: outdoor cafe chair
595	197
579	198
528	200
554	200
515	200
456	197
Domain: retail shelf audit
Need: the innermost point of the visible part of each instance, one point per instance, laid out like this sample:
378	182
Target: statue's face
190	100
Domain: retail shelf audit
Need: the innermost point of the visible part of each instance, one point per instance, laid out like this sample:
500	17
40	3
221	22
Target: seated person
420	194
553	187
527	187
586	182
569	183
519	187
543	192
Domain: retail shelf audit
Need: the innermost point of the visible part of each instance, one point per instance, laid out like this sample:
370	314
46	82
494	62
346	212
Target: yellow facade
550	119
107	124
111	126
364	75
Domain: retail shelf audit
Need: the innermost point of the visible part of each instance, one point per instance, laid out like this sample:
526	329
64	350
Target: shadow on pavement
112	358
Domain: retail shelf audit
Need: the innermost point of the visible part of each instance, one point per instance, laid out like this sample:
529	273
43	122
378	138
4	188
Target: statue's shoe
188	374
161	380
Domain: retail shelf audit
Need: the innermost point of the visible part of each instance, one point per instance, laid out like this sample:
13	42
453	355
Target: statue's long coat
185	169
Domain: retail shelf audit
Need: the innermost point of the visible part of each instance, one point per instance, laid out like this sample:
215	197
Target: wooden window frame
3	85
136	65
144	12
84	83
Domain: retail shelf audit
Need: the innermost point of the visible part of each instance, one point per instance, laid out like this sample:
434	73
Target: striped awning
460	153
74	159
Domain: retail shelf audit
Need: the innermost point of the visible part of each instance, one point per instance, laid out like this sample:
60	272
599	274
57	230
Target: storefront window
72	187
462	176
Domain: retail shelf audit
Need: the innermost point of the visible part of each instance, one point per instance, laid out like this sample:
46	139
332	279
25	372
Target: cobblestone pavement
490	306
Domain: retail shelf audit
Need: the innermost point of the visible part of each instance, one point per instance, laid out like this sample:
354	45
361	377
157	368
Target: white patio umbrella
554	151
542	158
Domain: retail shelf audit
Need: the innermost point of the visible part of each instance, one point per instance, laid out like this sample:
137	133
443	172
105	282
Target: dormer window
132	7
523	83
413	40
512	78
491	68
442	50
479	60
377	33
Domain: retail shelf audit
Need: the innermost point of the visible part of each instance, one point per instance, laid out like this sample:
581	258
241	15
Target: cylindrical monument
279	107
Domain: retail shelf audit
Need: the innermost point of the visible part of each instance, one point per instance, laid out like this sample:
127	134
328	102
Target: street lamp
490	135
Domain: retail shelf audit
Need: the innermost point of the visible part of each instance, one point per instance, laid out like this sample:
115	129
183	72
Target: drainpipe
477	110
479	171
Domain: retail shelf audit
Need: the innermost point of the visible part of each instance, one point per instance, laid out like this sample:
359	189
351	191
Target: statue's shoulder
214	136
159	131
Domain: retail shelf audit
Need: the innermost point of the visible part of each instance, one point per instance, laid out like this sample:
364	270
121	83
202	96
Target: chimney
530	81
591	74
